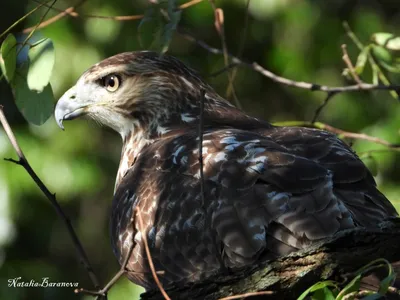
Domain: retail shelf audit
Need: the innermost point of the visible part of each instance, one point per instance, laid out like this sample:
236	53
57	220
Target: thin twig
123	268
349	64
375	67
229	90
57	17
223	70
341	133
21	19
288	82
36	26
253	294
322	88
319	109
70	12
190	3
151	264
52	198
103	292
352	36
358	136
220	27
88	292
369	153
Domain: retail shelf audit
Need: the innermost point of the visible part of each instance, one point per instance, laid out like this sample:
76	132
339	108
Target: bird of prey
263	192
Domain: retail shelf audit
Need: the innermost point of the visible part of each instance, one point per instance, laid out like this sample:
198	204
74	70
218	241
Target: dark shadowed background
296	39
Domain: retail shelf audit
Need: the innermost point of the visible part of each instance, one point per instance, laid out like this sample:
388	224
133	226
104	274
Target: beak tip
60	124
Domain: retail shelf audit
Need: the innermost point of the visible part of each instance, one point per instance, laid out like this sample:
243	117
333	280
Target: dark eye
111	82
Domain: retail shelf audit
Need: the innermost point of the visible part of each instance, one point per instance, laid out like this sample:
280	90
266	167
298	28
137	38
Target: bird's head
133	89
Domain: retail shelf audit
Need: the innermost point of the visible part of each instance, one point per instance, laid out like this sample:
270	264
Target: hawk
265	191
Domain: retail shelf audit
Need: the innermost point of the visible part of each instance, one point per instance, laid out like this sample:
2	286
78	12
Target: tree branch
220	27
63	13
70	12
230	88
349	64
341	133
285	81
52	198
337	258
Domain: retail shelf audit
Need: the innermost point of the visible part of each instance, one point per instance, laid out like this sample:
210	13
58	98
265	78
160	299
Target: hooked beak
68	108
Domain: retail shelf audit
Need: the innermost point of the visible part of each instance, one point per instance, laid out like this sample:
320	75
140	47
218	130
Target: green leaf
169	29
387	40
323	294
41	56
381	38
375	76
386	283
8	59
394	68
317	286
150	28
394	44
388	280
148	17
362	60
386	59
352	286
382	54
35	107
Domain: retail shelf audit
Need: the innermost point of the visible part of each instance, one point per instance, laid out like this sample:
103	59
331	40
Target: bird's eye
111	82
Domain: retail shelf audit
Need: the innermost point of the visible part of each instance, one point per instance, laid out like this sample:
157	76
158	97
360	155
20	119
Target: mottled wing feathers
353	183
267	193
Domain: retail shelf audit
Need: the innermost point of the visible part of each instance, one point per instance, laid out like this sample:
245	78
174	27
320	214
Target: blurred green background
296	39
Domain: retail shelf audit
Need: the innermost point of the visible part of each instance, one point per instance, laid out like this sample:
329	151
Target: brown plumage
268	190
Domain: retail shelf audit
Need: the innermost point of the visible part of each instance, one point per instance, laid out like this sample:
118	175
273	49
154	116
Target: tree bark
334	259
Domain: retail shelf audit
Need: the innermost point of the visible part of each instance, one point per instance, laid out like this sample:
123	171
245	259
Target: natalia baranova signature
45	282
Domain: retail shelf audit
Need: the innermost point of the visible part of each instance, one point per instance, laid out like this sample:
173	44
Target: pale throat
133	142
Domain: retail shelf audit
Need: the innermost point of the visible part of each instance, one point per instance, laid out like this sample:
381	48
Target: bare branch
49	7
319	109
123	269
288	82
70	12
190	3
52	198
358	136
241	296
341	133
375	67
349	64
322	88
62	14
229	90
220	27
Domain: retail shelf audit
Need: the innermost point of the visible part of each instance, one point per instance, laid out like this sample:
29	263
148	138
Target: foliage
29	78
382	52
329	290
